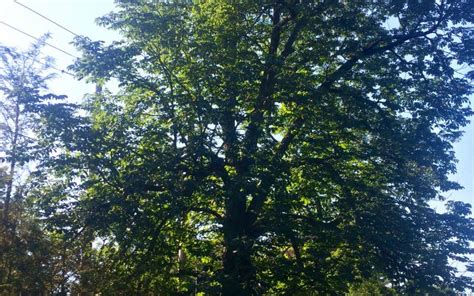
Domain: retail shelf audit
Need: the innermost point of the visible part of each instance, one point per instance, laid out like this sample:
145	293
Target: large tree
276	147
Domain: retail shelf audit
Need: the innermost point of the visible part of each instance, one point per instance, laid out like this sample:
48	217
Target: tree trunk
239	272
8	194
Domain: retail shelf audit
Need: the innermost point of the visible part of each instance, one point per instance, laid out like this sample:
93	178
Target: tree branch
324	88
207	211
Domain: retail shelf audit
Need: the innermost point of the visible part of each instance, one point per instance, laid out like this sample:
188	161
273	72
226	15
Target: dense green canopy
267	147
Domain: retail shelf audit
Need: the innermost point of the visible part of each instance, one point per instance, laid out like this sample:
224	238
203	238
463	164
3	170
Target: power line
31	36
37	39
53	67
49	66
46	18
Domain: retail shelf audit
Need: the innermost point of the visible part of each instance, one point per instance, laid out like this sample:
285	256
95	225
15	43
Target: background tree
31	259
273	147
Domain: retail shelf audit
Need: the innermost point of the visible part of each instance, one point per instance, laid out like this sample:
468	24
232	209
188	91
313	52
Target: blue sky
79	17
